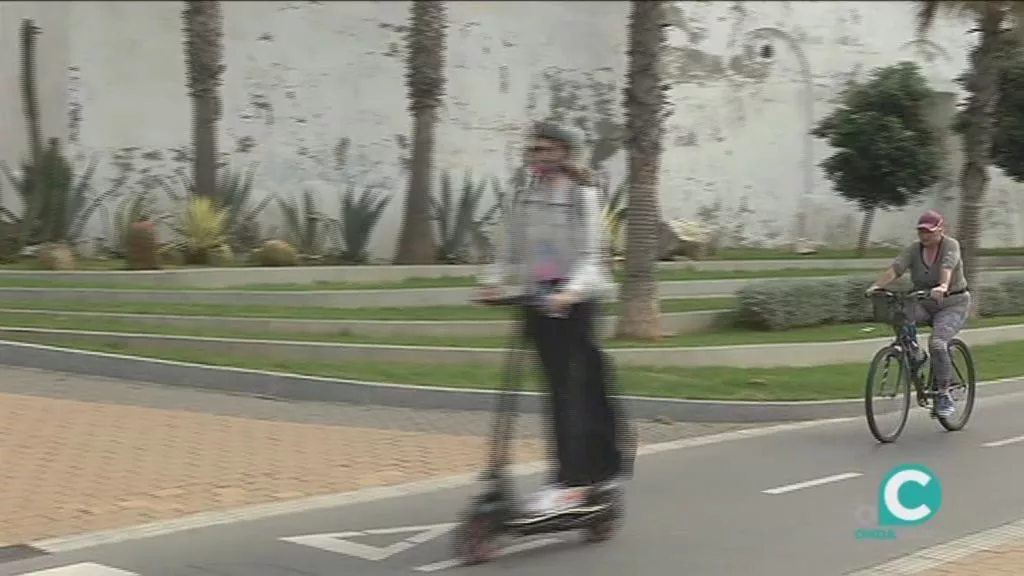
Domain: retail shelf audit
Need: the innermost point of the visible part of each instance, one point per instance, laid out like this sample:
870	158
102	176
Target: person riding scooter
554	246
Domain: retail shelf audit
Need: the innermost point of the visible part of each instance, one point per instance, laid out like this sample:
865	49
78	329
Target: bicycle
911	359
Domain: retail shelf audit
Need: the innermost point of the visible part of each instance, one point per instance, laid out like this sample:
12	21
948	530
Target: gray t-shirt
924	276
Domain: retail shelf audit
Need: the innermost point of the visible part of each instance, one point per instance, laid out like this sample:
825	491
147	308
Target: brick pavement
80	454
998	551
1006	560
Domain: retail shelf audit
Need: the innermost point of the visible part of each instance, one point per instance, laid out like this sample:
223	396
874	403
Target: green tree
203	22
425	79
990	20
646	110
887	154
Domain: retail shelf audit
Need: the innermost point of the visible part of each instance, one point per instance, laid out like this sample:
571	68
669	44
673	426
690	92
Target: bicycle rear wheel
879	384
965	382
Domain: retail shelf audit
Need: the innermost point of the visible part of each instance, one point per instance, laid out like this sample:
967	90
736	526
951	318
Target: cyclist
554	245
934	263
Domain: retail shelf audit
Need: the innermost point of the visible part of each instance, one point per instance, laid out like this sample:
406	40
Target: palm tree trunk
865	231
977	139
204	55
645	107
426	81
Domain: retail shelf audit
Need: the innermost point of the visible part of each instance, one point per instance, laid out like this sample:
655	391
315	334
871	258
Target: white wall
301	77
52	60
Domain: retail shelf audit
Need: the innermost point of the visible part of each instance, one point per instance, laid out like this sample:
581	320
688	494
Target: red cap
930	220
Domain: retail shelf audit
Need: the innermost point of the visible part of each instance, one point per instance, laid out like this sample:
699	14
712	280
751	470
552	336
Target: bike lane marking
812	483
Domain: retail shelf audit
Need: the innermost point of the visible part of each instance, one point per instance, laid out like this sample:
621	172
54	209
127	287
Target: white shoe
556	499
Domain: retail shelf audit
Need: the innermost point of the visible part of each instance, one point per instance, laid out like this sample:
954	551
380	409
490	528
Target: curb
776	355
314	389
671	322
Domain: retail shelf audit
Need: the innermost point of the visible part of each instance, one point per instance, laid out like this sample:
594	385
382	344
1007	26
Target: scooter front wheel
474	541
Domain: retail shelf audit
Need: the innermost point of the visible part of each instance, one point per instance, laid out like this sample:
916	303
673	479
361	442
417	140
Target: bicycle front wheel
889	383
963	386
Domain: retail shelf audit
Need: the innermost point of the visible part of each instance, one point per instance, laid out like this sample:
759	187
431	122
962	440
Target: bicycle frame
912	358
904	330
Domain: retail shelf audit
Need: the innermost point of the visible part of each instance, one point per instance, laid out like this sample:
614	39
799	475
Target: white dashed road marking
1004	442
812	483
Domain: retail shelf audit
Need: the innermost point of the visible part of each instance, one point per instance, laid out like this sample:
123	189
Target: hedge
800	302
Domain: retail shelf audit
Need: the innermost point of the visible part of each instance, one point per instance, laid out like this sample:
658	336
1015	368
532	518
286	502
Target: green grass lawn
719	337
467	312
712	383
449	282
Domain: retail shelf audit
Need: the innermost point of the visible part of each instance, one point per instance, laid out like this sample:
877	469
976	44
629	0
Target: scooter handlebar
531	300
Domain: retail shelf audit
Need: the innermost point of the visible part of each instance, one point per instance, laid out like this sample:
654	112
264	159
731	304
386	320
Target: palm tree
991	19
204	61
646	110
425	81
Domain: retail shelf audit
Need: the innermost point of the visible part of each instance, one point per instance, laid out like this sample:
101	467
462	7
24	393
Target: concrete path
781	502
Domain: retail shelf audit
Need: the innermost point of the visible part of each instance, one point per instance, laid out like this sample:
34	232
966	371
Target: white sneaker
556	499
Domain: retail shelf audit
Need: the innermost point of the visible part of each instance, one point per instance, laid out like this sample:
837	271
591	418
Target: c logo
910	494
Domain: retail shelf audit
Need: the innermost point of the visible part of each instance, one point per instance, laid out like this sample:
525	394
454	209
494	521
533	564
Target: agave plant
305	224
357	218
201	229
459	228
59	208
234	192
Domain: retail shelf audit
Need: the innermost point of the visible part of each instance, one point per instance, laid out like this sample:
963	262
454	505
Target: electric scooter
497	510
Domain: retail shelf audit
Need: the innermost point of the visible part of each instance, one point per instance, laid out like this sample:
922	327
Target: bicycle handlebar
915	294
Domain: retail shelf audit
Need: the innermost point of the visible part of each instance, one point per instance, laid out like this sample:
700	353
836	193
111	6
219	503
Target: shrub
10	248
56	256
798	303
994	301
801	302
277	253
1003	299
221	256
141	250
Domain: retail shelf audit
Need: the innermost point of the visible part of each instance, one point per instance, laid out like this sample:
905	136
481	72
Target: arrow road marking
83	569
338	542
521	547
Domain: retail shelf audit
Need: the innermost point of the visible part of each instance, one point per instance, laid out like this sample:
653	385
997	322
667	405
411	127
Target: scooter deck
575	519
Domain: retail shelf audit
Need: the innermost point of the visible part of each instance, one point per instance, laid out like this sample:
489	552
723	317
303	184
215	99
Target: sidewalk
71	467
71	463
995	552
1007	560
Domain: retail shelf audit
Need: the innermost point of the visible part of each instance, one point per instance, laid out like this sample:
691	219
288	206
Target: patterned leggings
947	320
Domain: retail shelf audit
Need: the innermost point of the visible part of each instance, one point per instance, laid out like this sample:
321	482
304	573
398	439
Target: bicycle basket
884	309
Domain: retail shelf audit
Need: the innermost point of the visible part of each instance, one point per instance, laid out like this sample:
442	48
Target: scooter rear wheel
474	541
601	531
608	527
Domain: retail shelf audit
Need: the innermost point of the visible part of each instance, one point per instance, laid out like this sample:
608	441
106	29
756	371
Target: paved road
698	511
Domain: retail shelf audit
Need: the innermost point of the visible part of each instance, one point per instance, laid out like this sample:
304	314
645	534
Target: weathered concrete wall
52	56
314	92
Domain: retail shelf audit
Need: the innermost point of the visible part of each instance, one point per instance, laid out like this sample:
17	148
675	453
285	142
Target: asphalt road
700	511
